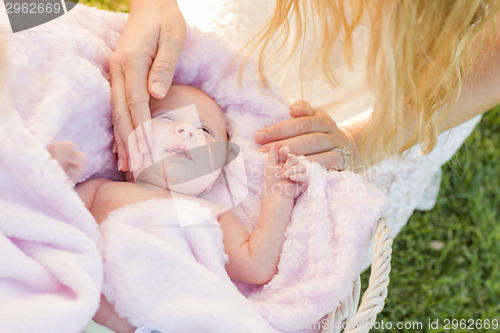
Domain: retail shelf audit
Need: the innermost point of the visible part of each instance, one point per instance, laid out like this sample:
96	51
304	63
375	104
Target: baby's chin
192	187
196	186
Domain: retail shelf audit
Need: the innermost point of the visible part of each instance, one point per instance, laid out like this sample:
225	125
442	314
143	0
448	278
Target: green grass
114	5
461	280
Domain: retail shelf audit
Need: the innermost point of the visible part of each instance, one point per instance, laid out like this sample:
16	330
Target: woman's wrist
353	129
354	160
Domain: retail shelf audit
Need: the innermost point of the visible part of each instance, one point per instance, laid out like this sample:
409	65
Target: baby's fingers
272	158
298	168
283	154
300	177
291	161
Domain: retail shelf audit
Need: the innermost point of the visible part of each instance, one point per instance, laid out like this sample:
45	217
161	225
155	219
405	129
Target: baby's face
188	131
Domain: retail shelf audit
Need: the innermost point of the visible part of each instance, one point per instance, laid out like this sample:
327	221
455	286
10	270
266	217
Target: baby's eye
167	116
207	130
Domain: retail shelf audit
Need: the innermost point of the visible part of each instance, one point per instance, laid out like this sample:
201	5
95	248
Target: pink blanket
51	272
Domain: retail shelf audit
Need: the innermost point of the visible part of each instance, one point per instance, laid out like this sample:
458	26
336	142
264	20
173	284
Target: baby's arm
254	258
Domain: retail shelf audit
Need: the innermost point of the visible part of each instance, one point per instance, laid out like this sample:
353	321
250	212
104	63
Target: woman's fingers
307	144
143	63
301	109
294	127
169	50
283	154
129	156
122	123
311	133
331	160
137	95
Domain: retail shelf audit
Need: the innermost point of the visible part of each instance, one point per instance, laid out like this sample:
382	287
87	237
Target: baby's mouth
179	149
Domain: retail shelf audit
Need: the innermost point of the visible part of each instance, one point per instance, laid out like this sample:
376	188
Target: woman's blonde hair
419	52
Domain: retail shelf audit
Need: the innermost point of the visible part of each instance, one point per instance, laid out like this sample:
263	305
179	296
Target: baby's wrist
276	194
275	206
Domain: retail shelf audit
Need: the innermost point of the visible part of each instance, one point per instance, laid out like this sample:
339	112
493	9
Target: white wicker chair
345	318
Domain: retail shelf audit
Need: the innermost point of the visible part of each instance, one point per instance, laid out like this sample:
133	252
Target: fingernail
261	136
160	88
114	150
264	149
120	164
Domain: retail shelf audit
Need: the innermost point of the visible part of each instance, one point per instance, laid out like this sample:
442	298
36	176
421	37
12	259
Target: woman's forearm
480	90
479	93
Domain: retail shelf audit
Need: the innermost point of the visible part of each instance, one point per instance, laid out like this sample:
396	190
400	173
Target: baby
253	258
178	139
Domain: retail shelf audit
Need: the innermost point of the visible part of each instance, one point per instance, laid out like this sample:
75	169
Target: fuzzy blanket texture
56	260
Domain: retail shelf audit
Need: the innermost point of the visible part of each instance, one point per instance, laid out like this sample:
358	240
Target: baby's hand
71	160
285	175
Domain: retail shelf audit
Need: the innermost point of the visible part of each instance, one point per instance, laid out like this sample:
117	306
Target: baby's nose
187	130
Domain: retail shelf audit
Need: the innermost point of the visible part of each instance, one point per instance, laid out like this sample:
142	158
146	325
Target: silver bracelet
345	152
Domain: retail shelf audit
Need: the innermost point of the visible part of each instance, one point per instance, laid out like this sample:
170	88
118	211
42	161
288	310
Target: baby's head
189	142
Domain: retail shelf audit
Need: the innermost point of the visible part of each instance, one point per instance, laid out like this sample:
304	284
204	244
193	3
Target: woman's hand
313	134
143	64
